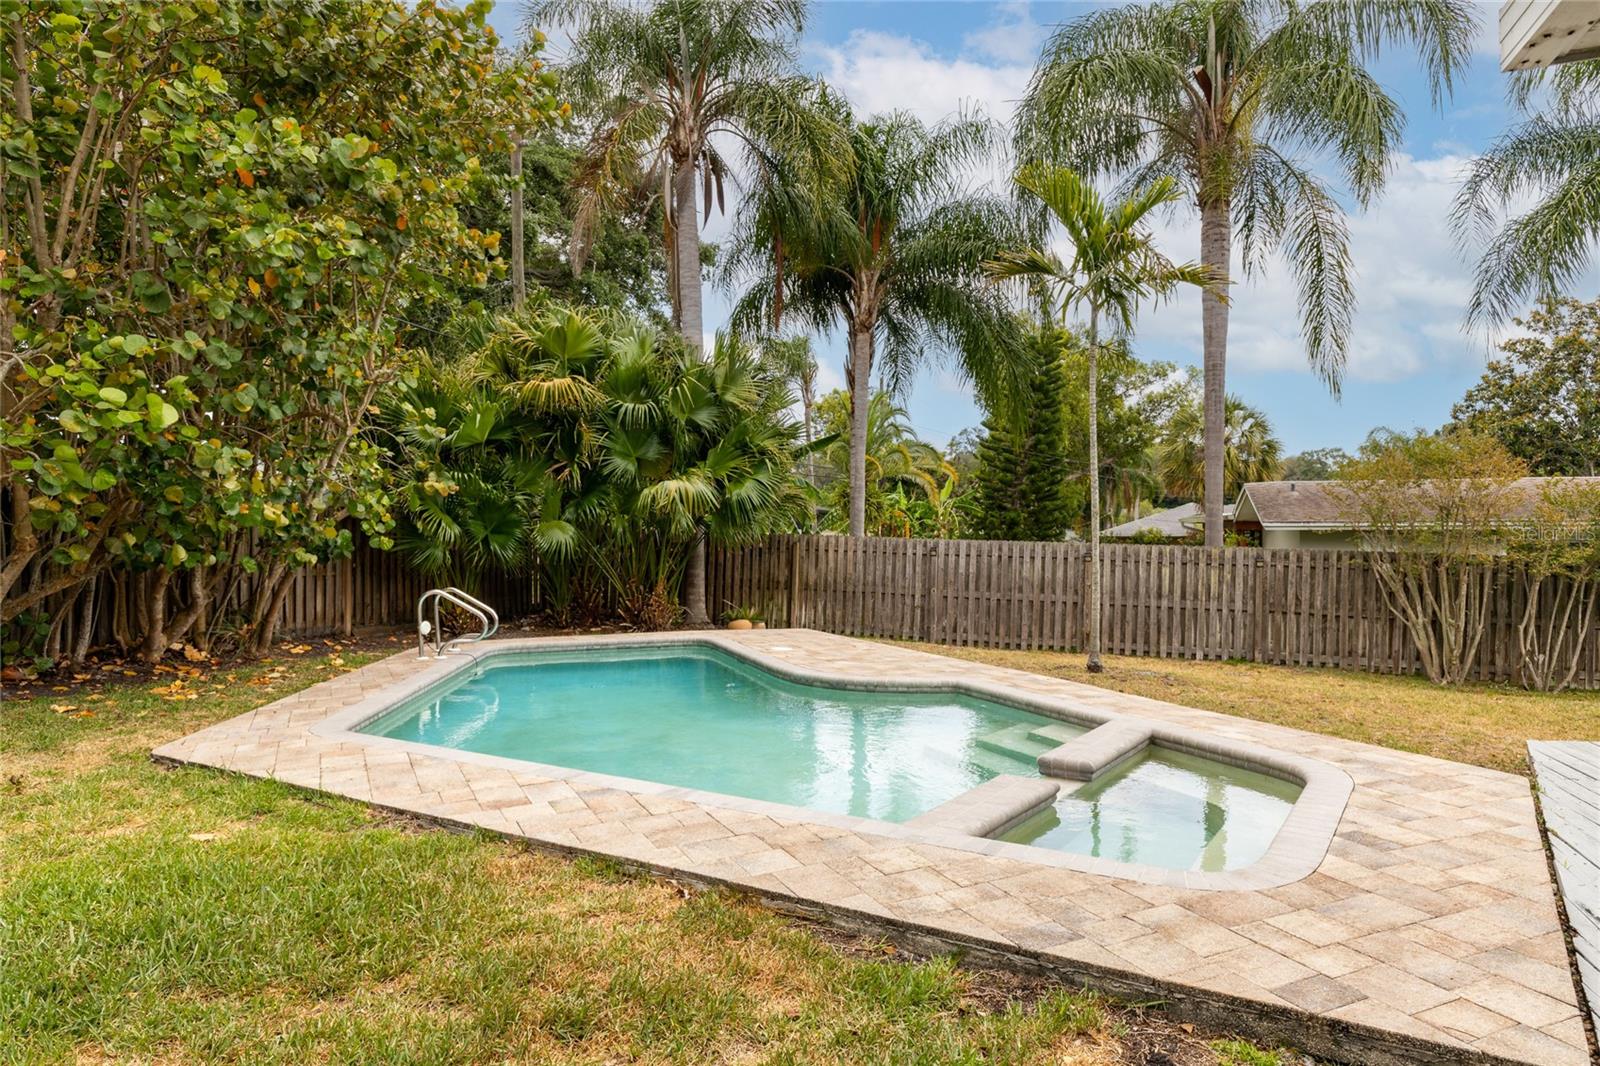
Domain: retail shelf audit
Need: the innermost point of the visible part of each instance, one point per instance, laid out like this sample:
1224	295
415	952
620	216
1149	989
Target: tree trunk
1094	665
266	630
84	637
1216	241
694	583
155	625
686	258
519	274
859	373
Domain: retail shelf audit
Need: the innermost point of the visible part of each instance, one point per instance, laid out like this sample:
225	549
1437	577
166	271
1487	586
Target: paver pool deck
1427	933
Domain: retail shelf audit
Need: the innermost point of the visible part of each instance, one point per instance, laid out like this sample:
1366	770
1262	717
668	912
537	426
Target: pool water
1167	805
700	718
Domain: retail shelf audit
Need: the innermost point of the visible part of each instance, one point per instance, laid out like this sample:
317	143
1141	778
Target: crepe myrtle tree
1227	98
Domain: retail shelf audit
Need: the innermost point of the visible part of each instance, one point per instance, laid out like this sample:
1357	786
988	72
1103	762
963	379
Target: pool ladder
429	631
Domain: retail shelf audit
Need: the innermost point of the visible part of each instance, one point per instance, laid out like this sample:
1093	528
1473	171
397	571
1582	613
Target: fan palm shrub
888	248
1227	98
609	448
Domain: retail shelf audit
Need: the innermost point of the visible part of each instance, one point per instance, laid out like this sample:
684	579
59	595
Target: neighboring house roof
1324	505
1176	522
1168	523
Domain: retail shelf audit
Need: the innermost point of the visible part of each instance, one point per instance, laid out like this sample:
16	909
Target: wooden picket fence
368	588
1302	607
380	588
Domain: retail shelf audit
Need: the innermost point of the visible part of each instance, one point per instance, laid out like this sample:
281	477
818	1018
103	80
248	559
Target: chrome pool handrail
486	616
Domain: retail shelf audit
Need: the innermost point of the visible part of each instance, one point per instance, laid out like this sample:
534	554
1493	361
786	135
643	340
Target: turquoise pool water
699	718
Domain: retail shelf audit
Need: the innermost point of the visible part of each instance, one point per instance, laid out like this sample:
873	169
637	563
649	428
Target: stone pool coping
1295	851
1428	932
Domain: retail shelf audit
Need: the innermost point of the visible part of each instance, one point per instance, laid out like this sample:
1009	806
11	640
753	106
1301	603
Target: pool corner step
1101	749
991	808
1018	741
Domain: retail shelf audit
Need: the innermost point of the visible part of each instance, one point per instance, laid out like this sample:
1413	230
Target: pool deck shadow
1428	931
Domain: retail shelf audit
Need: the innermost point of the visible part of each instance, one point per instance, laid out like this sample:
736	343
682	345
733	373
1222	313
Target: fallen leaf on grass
63	708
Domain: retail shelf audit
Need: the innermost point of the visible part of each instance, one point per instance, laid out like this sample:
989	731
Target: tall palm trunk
1094	665
686	278
860	374
1216	241
694	583
686	257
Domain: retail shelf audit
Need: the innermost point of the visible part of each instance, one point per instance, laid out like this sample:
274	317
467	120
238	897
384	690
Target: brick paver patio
1428	933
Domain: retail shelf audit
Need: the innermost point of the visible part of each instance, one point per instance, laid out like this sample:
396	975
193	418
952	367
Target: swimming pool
698	717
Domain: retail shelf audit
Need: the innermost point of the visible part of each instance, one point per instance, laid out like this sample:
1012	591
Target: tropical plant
1541	398
215	217
602	447
667	83
1251	450
1550	159
1024	488
1433	509
901	468
1114	268
791	360
888	249
1222	97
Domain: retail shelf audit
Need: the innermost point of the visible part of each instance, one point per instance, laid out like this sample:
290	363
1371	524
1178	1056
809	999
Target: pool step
1018	741
1057	733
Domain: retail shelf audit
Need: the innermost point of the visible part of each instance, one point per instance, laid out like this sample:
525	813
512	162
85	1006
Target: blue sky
1408	360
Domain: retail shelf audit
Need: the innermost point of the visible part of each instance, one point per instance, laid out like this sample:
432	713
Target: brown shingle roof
1324	503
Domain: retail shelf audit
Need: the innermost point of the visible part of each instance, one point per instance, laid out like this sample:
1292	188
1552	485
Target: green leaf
112	395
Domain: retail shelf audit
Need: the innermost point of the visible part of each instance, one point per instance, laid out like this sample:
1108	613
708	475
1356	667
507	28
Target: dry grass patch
1487	725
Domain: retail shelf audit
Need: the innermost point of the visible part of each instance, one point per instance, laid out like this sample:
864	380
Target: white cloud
1013	37
881	72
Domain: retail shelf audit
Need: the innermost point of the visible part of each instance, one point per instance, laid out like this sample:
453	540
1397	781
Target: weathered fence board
370	588
1287	606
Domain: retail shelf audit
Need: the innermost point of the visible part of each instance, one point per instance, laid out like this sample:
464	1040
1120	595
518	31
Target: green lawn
1488	725
187	915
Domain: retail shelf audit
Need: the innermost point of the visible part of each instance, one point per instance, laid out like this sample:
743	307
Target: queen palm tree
1223	96
666	84
1114	268
1251	451
1556	156
889	248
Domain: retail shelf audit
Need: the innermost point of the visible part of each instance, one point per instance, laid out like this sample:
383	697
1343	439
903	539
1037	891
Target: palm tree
1114	268
1553	155
897	460
791	360
666	83
1222	96
1251	451
616	447
890	249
